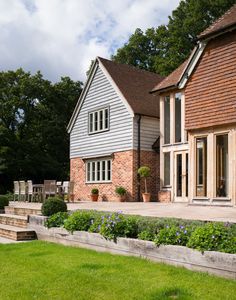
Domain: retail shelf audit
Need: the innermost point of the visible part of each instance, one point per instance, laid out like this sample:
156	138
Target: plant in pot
94	194
145	172
121	192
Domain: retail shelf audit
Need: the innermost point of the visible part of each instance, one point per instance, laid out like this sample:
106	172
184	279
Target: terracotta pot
122	198
146	197
94	197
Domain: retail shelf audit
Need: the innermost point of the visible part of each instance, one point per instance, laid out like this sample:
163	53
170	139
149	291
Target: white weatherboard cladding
120	136
150	130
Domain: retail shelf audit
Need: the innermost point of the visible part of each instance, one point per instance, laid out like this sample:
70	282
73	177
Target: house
198	121
114	130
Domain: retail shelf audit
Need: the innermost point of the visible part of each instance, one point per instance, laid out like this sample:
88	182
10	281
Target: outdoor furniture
68	189
50	188
22	190
16	190
38	192
30	191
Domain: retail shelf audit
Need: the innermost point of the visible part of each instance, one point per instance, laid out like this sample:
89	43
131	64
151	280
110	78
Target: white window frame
100	163
103	127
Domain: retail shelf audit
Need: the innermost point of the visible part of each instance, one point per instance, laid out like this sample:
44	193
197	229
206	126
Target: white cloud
61	37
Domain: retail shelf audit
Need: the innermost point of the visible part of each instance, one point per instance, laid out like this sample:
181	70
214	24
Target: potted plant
145	172
94	194
121	192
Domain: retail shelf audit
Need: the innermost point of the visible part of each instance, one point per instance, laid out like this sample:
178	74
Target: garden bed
218	263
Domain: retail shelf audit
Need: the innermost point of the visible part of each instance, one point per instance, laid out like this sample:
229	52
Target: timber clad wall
119	137
210	94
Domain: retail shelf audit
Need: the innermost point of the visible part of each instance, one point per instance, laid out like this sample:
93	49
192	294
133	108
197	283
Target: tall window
99	120
166	168
222	165
178	117
167	120
98	171
201	167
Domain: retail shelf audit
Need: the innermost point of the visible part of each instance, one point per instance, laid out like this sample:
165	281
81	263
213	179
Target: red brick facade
210	93
124	173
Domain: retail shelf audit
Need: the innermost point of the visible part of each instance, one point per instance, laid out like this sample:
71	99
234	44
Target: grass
40	270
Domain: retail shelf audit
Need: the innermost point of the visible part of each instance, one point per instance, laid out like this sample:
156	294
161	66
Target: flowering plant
173	235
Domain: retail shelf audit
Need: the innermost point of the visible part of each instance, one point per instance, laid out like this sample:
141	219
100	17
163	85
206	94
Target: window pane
222	165
88	172
101	120
93	171
98	170
103	170
106	118
178	118
167	168
167	120
96	121
179	174
201	166
108	170
91	122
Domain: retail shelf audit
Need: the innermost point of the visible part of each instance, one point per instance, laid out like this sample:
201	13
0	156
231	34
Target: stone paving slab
154	209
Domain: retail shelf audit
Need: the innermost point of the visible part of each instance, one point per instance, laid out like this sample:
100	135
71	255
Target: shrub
53	205
4	201
56	220
79	221
131	227
120	190
173	235
213	237
144	172
94	191
146	236
113	226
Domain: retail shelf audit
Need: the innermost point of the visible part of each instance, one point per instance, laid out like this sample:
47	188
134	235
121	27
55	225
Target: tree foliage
164	48
34	114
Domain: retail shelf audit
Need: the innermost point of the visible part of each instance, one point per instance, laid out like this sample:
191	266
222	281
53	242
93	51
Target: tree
34	114
163	49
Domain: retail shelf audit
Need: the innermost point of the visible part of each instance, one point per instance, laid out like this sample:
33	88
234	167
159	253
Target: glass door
181	177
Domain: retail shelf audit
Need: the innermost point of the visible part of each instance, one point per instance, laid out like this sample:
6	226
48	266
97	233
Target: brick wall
210	94
124	173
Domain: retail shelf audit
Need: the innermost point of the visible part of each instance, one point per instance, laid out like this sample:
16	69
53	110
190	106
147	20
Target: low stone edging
218	263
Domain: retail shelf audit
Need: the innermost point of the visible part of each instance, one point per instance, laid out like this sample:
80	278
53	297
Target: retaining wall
221	264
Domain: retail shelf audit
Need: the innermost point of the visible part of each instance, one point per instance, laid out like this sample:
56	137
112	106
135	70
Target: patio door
181	176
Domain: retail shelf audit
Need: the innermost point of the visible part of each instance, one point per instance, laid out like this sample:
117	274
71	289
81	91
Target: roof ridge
131	66
217	21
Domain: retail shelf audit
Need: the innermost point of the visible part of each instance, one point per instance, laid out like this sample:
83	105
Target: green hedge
4	201
212	236
53	205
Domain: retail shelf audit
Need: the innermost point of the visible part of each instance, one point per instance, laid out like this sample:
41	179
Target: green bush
173	235
79	221
112	226
56	220
53	205
213	237
94	191
4	201
144	171
146	236
120	190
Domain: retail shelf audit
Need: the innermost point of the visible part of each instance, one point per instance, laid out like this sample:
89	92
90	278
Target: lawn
40	270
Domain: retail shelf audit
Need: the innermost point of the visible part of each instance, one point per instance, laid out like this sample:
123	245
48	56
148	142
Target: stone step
22	211
17	233
14	220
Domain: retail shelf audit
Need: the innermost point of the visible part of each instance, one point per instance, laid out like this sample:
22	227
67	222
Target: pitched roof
173	79
134	84
225	22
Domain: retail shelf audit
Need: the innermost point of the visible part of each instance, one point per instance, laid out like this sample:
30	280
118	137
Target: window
167	120
99	120
98	171
222	165
201	167
166	168
178	118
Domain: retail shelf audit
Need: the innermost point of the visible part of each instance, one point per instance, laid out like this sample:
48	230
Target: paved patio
154	209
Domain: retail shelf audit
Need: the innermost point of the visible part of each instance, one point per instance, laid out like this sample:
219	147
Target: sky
61	37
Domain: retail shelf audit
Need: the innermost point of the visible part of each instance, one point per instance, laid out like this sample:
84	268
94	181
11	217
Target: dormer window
99	120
